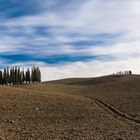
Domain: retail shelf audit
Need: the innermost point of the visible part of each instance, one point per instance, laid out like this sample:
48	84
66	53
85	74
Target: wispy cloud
65	33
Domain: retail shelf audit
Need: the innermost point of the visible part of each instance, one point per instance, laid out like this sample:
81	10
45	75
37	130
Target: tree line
121	73
16	76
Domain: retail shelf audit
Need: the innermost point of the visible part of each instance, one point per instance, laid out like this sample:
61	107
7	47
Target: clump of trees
16	76
121	73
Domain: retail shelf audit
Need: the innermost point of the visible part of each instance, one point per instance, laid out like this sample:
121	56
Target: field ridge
116	111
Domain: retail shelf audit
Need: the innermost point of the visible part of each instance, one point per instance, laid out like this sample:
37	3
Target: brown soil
74	109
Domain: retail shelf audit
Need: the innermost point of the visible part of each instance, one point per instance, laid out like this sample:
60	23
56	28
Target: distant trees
16	76
36	75
120	73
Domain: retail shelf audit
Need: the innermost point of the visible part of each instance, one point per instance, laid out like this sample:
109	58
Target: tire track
116	111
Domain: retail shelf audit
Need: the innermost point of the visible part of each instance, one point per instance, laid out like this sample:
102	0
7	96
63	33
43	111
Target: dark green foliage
1	78
36	75
28	76
16	76
12	76
22	77
4	77
7	76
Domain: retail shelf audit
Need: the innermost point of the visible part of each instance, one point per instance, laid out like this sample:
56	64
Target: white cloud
122	48
89	69
83	18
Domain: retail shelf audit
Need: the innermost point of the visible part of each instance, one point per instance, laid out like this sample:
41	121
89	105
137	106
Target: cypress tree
24	76
32	75
12	75
39	75
15	75
29	76
18	76
0	77
4	77
10	79
7	76
35	74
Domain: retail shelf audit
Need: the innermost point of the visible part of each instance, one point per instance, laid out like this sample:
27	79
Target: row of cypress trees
16	76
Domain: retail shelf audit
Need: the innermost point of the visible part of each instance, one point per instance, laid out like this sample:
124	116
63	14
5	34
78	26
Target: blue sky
96	37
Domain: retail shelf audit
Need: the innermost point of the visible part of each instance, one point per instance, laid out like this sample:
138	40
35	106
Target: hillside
95	80
79	108
122	92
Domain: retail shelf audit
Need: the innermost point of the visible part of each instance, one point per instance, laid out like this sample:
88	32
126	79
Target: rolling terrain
102	108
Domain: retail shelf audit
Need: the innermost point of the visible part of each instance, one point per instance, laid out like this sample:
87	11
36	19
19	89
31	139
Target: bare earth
104	108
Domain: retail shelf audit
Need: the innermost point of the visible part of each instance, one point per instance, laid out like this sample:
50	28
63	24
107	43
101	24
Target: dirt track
116	112
54	111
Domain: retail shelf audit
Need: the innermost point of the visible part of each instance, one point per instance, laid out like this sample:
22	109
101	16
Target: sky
76	38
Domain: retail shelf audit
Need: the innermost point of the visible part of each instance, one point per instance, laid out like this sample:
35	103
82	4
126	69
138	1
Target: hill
99	108
95	80
121	91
